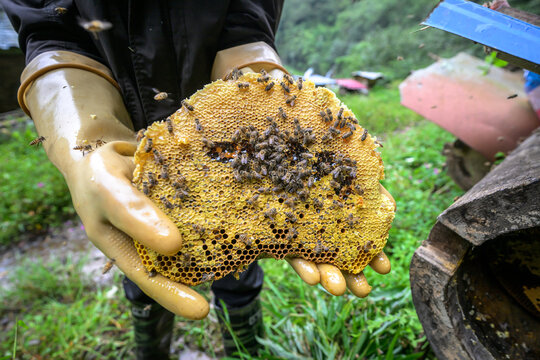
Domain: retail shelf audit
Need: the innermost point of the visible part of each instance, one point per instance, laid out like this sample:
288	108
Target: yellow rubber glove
74	103
259	56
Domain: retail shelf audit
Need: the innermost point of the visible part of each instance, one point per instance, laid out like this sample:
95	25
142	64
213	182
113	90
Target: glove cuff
52	60
257	56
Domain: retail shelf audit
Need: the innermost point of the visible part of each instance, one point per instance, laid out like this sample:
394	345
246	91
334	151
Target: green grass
63	315
34	195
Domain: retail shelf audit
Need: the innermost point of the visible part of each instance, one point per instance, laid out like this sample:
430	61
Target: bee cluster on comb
247	169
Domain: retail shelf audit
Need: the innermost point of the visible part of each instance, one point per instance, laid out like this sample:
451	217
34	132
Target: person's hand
336	281
89	138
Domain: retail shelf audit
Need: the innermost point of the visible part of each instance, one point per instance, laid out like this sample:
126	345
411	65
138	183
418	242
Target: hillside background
350	35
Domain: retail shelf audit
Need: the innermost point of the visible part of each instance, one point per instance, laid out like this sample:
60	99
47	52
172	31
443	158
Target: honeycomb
255	167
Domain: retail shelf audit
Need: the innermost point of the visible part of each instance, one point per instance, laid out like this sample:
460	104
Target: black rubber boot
246	323
153	326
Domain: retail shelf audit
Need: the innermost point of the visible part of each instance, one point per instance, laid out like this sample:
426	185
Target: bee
290	100
161	95
306	156
340	113
151	179
318	248
351	220
285	87
329	114
264	77
260	155
269	86
347	134
333	131
291	217
186	259
351	126
270	213
326	137
234	74
512	96
157	157
253	199
198	125
289	78
108	266
334	184
208	143
290	202
378	143
317	203
60	10
199	229
140	135
263	190
37	141
166	202
95	26
152	273
300	83
169	125
187	106
181	194
147	307
100	142
359	189
352	119
165	171
145	188
84	148
236	136
337	204
244	159
148	146
337	123
292	234
364	135
311	181
244	239
207	277
243	85
303	194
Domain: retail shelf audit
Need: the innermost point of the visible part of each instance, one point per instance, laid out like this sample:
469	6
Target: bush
34	195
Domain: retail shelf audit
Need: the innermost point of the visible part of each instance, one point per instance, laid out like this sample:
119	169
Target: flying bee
145	188
364	135
269	86
157	157
378	143
347	134
207	277
84	148
161	95
291	217
37	141
199	229
290	100
140	135
108	266
198	125
95	26
243	85
270	213
60	10
285	87
165	171
167	203
169	125
292	234
187	106
148	146
100	142
289	78
151	179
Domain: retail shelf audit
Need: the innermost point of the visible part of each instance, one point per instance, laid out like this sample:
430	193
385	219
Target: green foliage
34	194
350	35
62	315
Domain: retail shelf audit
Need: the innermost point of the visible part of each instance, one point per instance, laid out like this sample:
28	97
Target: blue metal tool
493	29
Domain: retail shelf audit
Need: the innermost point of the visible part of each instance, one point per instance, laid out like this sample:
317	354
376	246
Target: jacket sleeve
250	21
48	26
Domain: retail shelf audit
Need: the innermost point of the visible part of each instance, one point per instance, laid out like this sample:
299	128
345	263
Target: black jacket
163	44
